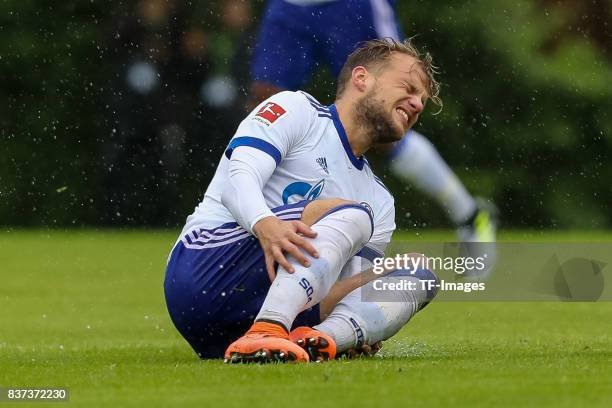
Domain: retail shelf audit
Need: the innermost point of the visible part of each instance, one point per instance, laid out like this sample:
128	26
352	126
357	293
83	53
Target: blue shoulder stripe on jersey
324	110
369	254
358	162
257	144
314	102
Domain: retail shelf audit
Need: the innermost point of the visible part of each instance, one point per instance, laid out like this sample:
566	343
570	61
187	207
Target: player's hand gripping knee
278	237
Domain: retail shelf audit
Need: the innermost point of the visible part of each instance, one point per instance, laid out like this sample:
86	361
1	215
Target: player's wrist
263	223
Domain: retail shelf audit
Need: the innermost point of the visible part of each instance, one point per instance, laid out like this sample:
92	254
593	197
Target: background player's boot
317	344
477	238
265	343
481	226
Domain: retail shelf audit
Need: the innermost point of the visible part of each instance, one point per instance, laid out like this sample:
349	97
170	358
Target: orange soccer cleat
265	343
318	345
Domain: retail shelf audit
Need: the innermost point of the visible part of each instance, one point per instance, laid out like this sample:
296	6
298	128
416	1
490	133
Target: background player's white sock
355	321
417	160
340	234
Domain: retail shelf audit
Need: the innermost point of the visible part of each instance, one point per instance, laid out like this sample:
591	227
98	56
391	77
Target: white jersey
313	161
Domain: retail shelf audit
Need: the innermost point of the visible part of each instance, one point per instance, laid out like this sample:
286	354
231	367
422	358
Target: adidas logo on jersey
322	161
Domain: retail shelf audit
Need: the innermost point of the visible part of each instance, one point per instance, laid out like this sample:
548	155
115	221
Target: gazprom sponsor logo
301	190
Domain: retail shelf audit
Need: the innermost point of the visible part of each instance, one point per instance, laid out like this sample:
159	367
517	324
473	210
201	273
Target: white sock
355	321
340	234
417	160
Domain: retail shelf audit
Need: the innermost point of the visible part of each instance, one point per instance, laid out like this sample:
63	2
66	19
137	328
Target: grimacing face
393	104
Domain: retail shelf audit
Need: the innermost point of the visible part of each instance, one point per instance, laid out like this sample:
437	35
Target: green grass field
85	310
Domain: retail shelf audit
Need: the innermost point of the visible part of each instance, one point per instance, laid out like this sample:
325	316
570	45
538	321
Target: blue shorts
216	282
293	40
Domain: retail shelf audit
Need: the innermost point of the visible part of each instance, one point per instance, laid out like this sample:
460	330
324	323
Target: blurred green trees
527	121
528	106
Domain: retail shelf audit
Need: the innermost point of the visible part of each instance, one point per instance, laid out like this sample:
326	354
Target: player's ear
359	77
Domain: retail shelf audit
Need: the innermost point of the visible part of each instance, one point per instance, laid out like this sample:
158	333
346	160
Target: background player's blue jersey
294	39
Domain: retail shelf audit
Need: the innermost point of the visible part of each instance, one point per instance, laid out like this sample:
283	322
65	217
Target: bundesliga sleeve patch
269	113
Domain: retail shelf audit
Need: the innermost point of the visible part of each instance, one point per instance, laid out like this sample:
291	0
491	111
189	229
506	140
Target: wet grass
85	310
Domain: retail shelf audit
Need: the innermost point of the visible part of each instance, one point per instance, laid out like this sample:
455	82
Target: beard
378	123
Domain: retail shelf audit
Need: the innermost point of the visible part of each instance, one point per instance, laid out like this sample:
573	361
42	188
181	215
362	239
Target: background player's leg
416	159
340	234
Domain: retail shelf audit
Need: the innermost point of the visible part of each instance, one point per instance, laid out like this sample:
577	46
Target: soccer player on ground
294	189
296	36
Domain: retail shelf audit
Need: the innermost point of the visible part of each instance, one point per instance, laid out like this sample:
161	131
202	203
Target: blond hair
375	54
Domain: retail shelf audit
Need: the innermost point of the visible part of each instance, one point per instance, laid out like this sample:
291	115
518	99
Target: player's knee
316	209
352	221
